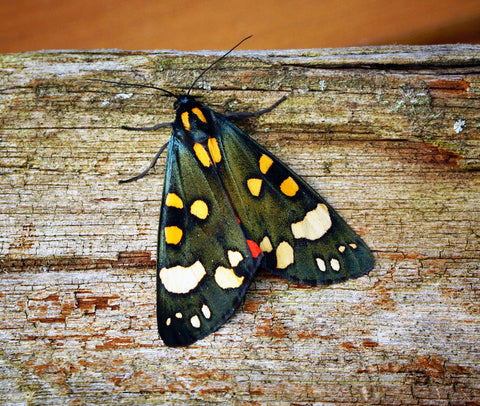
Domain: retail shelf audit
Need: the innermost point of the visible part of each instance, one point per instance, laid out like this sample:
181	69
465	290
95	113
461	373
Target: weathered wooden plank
389	135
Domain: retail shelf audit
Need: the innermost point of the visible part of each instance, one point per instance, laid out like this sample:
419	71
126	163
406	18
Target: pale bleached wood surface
389	136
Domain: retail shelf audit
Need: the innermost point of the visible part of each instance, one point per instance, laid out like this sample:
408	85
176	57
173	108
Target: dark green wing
204	261
303	239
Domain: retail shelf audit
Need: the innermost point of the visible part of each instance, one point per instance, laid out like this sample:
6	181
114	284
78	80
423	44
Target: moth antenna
135	85
215	62
152	164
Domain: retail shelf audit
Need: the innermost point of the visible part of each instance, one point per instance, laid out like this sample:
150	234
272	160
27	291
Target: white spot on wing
179	279
206	311
234	257
195	321
321	264
168	321
314	225
335	264
178	315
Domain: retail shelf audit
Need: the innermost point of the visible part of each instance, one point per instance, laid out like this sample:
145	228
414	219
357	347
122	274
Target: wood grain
389	135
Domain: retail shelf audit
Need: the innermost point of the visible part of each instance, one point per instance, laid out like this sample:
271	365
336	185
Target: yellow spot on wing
341	248
285	255
195	321
185	120
201	154
180	279
226	278
265	162
314	225
289	187
168	322
266	245
214	150
173	235
206	311
353	245
200	209
173	200
234	257
254	185
199	114
178	315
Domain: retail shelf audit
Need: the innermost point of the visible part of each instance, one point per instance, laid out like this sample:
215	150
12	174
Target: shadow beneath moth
230	207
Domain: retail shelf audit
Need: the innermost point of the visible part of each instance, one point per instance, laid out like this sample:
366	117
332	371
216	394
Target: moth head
184	102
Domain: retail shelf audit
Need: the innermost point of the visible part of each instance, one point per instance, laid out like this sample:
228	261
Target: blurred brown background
28	25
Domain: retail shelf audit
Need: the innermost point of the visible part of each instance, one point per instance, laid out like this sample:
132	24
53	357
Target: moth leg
152	164
243	115
152	128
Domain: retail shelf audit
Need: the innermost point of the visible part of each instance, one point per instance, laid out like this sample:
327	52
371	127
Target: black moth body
230	207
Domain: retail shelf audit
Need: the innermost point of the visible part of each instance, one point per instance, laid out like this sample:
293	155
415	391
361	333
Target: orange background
28	25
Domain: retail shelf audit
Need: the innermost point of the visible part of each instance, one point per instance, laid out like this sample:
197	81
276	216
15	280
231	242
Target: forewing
303	239
204	263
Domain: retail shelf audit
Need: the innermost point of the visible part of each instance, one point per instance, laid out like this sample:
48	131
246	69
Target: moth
229	208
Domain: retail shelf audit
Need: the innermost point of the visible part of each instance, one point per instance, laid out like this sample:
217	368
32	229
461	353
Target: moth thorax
199	136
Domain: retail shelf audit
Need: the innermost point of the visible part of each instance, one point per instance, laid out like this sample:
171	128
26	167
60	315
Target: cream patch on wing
314	225
180	279
234	257
226	278
285	256
266	244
